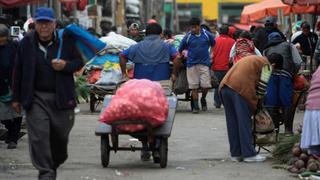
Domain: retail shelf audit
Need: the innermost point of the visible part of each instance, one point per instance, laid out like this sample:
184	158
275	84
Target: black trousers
49	129
13	126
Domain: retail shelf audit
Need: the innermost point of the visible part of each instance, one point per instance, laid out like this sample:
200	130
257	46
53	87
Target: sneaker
236	158
76	110
256	158
12	145
195	111
145	156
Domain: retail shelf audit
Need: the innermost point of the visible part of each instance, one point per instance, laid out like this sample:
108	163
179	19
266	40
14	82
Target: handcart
97	94
109	135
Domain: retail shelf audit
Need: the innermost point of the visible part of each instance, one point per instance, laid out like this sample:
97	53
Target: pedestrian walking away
220	58
44	86
151	57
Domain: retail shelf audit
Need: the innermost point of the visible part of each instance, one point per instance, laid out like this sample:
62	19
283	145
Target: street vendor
151	59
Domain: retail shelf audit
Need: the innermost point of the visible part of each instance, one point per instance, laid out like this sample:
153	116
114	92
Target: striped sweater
313	100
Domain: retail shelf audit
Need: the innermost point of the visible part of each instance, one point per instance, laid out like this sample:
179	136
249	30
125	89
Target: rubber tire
105	150
163	151
93	101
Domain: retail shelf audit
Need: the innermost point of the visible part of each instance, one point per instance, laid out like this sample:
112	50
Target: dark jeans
220	75
239	123
13	127
48	129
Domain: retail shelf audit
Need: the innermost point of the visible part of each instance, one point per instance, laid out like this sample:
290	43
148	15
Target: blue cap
274	35
44	13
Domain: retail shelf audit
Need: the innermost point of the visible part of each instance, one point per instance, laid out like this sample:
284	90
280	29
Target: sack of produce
141	100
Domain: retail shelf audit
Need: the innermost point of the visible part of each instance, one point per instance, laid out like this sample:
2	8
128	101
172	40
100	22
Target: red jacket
221	52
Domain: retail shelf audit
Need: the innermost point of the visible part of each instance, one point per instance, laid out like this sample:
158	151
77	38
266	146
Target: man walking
44	86
197	42
220	58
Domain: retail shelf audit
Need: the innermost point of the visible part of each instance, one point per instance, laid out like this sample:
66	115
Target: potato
294	170
296	151
313	167
299	164
292	160
304	157
311	160
302	170
296	145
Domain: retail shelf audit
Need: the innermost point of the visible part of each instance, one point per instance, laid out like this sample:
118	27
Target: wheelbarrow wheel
93	101
105	150
163	151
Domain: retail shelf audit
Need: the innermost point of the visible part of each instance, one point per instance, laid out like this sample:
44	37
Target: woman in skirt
311	123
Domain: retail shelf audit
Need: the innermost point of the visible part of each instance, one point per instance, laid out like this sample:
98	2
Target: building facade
212	11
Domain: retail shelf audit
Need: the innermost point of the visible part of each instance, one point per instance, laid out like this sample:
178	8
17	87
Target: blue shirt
198	47
151	57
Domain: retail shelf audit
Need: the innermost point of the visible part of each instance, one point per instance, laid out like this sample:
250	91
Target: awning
246	27
68	1
262	9
16	3
302	2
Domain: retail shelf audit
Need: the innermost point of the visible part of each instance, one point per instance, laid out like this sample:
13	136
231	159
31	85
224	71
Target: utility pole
57	8
176	27
120	16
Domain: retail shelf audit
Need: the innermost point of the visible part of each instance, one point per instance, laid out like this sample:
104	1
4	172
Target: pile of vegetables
81	88
301	161
298	161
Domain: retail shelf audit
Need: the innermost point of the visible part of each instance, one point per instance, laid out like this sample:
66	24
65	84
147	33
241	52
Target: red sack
137	100
299	82
94	76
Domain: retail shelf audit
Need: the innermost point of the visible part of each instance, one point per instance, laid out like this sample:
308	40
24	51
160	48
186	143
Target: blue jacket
198	47
25	71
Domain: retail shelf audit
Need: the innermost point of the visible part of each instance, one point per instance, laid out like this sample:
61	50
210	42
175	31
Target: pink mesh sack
137	100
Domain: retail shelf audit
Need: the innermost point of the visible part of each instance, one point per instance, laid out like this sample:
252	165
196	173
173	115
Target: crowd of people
252	68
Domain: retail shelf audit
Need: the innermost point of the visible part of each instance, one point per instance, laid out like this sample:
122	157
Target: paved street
198	149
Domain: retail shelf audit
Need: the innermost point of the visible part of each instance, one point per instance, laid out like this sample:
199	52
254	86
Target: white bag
117	41
110	77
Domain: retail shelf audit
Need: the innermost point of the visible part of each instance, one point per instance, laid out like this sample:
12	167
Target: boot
288	121
196	108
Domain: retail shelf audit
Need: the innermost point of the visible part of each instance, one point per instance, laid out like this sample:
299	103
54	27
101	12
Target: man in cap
134	33
260	38
44	87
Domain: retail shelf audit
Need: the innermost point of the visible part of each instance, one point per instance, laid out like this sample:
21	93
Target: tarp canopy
16	3
246	27
262	9
302	2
